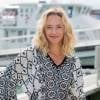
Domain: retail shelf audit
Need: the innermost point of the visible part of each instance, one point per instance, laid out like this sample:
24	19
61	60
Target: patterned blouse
41	78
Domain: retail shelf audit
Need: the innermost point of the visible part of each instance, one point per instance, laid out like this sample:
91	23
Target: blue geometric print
41	78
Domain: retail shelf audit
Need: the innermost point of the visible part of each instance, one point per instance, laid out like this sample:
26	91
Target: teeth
54	36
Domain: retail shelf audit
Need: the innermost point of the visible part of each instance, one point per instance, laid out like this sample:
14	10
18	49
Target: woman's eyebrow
49	25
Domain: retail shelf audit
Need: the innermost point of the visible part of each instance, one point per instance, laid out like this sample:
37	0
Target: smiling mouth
54	36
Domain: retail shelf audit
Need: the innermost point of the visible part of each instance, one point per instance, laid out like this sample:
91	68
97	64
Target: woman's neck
56	55
55	50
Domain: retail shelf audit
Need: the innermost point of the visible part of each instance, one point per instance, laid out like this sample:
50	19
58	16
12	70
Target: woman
48	70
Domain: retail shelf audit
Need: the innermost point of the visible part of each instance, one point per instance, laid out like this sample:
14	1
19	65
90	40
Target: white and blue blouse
41	78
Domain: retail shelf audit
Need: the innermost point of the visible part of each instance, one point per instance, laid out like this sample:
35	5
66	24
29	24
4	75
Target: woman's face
54	29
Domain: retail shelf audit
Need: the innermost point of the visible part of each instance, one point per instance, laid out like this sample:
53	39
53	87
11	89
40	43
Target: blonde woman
48	70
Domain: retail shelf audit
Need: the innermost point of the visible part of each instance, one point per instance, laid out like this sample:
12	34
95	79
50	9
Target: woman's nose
54	30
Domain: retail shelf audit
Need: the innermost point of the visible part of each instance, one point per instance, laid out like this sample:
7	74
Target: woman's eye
59	27
49	27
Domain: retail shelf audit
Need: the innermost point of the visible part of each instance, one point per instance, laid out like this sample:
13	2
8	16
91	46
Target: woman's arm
77	84
17	73
8	82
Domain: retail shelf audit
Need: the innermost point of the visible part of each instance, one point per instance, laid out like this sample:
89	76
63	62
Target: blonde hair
69	37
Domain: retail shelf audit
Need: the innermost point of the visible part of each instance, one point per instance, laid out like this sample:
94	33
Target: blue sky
93	3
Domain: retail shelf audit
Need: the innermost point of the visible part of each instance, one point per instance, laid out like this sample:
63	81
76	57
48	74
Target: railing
88	37
15	42
85	37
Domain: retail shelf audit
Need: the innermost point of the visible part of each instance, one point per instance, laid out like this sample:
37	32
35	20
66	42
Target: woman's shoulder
28	52
73	58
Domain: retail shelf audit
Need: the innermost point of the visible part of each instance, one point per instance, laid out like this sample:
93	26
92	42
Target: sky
93	3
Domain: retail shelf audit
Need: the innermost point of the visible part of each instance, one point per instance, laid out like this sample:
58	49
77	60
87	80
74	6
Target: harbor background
17	28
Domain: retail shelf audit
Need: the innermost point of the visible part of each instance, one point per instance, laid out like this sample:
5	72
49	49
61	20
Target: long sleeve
17	73
77	85
8	82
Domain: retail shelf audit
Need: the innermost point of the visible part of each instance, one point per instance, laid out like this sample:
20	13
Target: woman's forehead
54	19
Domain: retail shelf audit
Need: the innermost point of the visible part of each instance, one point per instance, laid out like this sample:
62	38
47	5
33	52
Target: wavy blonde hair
69	39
